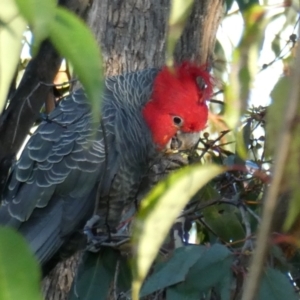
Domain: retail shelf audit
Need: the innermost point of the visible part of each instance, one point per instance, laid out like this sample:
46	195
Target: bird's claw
97	238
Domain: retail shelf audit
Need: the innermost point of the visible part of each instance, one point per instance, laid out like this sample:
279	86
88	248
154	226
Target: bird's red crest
180	91
183	79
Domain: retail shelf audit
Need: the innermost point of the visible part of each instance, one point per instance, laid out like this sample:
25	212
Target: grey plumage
52	189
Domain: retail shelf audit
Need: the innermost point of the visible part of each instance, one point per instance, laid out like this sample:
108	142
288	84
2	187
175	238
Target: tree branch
199	36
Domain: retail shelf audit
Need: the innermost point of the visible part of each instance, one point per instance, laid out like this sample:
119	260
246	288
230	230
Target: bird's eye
177	121
201	83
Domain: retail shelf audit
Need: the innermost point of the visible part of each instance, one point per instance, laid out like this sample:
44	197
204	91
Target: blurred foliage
11	31
19	270
206	254
180	11
66	31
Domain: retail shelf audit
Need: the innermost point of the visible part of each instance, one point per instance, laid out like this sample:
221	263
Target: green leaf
95	275
39	14
74	40
207	193
224	287
158	212
12	26
274	117
243	140
174	294
281	261
211	270
174	270
276	286
19	270
223	220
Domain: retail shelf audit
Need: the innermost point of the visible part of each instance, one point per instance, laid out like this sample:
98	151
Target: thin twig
116	244
207	147
216	101
248	241
200	206
250	211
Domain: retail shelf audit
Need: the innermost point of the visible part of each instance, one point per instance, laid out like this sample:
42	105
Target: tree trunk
132	35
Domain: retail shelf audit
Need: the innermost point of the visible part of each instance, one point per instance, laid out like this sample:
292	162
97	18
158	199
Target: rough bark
199	36
57	284
132	35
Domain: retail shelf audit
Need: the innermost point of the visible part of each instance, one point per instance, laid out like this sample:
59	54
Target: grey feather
52	189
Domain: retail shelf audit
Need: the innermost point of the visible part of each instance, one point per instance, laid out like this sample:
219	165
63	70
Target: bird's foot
97	238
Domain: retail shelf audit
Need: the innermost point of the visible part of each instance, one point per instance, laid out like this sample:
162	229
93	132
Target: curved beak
183	141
